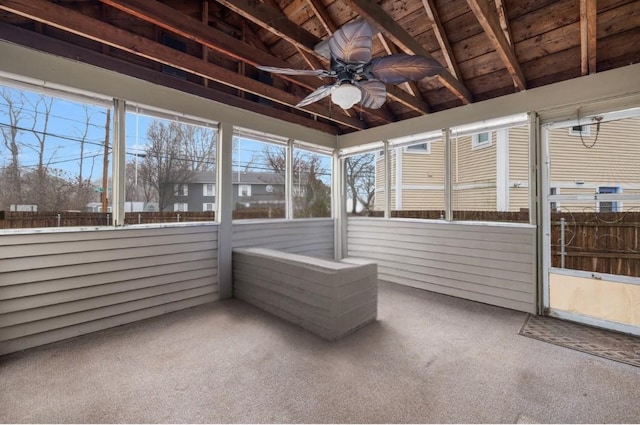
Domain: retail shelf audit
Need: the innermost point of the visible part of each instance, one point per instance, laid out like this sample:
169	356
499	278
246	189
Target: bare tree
176	151
311	195
360	179
13	108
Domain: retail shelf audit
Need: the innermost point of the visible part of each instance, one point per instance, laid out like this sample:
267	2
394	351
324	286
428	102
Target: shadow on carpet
598	342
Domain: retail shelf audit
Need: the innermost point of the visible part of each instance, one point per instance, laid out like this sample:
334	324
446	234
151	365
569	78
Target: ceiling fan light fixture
346	95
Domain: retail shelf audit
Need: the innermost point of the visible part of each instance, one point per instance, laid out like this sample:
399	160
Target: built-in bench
329	298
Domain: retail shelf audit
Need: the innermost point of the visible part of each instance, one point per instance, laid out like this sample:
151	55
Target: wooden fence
25	220
597	242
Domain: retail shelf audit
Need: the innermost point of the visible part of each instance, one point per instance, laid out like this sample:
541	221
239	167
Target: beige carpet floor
429	358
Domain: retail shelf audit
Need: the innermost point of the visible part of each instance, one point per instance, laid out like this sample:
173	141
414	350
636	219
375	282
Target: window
181	206
608	206
181	190
311	189
208	189
364	180
164	155
419	148
490	174
259	174
55	157
553	205
244	190
580	130
208	206
481	140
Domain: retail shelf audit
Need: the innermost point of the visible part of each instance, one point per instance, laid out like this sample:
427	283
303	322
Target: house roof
488	49
240	178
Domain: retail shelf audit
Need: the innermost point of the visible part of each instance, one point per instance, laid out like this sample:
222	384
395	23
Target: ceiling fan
360	78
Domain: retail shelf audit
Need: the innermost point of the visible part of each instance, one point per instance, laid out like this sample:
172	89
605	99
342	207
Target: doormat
598	342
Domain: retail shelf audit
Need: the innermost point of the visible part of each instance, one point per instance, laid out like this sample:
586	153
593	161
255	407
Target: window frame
240	187
477	144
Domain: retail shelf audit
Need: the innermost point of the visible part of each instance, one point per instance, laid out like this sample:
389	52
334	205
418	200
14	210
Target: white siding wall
305	236
60	284
493	264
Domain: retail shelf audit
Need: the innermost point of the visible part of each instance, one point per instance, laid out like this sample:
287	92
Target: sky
65	133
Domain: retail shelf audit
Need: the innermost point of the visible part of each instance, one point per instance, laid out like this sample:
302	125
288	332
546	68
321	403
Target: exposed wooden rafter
34	40
79	24
491	26
273	20
441	36
385	23
165	17
588	11
503	18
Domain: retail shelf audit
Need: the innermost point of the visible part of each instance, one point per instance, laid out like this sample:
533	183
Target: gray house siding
493	264
56	285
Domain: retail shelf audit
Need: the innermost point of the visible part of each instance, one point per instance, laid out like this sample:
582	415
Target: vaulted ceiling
211	48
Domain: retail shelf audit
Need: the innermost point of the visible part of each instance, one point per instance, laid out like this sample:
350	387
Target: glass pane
55	159
490	175
311	184
258	178
419	180
364	179
170	171
595	208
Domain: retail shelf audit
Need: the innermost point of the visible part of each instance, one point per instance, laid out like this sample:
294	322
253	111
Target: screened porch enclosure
426	200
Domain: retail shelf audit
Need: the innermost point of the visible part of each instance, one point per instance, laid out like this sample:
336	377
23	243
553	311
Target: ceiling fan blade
316	95
398	68
374	93
290	71
352	42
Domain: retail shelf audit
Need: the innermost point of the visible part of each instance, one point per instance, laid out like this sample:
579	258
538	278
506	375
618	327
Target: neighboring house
250	190
490	169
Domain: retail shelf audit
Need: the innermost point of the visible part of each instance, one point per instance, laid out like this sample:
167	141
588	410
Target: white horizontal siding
56	285
313	237
493	264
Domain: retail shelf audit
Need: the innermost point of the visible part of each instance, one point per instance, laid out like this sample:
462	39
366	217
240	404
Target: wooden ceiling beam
588	11
503	18
33	40
273	20
94	29
443	40
489	22
385	23
167	18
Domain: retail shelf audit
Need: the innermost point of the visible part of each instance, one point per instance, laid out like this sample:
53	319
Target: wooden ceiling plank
31	39
94	29
441	36
489	22
385	23
588	12
323	16
274	21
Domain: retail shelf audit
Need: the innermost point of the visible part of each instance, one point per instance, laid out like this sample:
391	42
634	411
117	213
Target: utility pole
105	164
